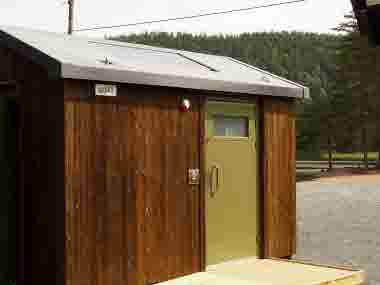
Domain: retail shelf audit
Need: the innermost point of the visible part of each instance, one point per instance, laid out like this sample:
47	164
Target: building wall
15	68
104	195
41	172
279	177
7	72
131	217
9	184
40	197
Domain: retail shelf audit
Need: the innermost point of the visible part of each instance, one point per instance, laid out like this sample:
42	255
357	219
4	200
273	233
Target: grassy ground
337	172
350	156
357	156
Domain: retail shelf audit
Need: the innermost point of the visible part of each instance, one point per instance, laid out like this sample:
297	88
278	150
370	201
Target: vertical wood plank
131	211
202	190
279	178
41	169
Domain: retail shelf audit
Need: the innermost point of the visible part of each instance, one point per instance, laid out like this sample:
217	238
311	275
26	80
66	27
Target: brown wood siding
104	197
203	170
40	194
131	217
7	60
14	68
41	204
279	184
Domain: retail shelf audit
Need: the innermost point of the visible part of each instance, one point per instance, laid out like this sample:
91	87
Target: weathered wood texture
42	183
203	171
279	188
40	193
7	69
103	193
15	68
9	184
131	217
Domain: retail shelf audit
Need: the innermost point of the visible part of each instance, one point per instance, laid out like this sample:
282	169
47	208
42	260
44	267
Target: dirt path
339	222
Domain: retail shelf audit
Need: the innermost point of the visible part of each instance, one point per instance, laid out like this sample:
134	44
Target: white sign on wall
105	90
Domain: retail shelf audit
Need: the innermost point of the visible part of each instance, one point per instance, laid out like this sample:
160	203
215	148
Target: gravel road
339	223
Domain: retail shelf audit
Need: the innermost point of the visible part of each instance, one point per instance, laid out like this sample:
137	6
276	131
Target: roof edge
70	71
51	65
306	92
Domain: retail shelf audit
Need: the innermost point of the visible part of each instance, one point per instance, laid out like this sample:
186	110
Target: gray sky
313	15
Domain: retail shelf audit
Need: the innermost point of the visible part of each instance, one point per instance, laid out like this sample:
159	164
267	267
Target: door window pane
231	126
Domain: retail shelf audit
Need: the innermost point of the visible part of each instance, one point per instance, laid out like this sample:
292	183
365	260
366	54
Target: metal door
231	196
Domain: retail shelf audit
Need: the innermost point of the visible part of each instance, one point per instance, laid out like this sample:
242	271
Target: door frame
260	161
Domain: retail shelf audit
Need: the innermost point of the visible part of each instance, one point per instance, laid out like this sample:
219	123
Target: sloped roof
76	57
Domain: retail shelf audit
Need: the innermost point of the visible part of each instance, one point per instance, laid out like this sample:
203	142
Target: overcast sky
312	15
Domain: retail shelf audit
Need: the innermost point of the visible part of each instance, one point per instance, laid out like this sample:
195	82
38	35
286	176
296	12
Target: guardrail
323	164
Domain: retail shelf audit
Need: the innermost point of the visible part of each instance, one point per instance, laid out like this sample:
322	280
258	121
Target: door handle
214	180
217	178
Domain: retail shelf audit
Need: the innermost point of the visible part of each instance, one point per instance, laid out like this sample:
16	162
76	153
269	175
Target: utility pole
71	16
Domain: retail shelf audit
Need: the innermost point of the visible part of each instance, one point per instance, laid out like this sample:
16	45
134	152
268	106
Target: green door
231	190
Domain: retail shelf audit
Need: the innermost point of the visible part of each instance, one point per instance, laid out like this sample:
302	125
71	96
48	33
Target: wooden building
137	164
367	13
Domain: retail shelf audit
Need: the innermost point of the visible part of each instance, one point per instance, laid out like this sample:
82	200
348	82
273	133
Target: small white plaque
105	90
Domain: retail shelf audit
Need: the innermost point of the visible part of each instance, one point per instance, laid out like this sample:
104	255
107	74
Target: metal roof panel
104	60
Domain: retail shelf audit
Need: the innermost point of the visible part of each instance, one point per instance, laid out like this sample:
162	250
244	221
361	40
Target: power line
190	17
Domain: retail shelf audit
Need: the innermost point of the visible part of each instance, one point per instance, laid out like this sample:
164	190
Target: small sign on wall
105	90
